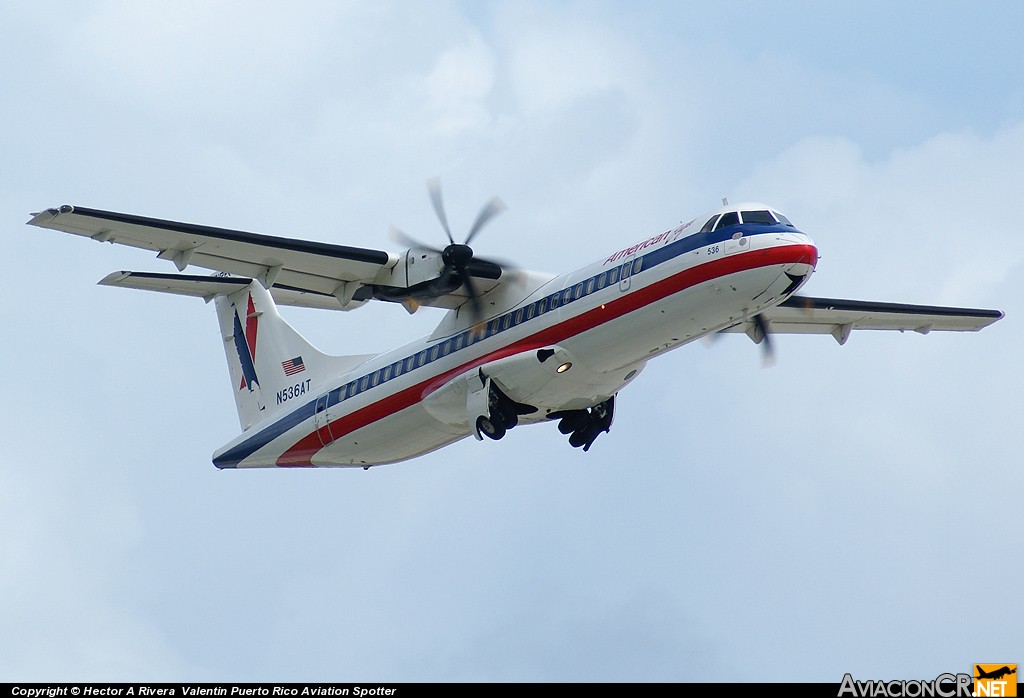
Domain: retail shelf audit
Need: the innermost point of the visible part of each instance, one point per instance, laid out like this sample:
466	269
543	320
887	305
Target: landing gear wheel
584	426
510	419
572	421
580	437
491	429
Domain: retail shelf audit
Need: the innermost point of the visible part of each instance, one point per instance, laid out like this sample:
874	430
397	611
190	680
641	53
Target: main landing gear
584	426
502	414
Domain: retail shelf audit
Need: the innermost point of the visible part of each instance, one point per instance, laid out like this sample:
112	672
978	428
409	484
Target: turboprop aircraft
514	348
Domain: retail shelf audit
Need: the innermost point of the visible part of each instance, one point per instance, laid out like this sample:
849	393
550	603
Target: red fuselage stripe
302	452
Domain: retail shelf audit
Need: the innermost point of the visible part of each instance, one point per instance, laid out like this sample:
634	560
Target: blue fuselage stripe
638	264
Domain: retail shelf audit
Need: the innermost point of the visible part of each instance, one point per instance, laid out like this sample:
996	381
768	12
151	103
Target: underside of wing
805	315
299	272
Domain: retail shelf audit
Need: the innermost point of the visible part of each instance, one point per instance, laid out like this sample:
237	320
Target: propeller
763	336
759	332
457	257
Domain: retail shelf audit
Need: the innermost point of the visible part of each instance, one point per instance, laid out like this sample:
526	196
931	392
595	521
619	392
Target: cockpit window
783	219
758	217
710	225
727	219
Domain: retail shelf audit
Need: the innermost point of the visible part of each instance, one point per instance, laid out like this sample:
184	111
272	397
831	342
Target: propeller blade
489	211
766	339
412	243
476	309
498	262
434	187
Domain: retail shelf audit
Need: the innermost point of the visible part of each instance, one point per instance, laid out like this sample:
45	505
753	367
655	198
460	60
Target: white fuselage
610	317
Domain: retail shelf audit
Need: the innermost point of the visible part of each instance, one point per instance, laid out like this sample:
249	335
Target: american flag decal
293	366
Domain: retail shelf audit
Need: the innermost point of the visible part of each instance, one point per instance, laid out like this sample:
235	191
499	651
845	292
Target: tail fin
270	363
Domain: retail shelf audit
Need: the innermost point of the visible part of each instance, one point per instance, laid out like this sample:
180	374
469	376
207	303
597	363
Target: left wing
805	315
312	270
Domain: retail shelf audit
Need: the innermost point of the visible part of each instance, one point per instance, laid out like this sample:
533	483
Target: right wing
805	315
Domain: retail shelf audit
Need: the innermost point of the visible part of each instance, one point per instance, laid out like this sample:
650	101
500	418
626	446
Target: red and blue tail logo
245	345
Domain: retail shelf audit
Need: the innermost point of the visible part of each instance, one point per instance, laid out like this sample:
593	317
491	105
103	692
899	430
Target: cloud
733	517
932	202
69	559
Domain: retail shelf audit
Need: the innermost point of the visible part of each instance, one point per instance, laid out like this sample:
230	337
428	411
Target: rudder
271	365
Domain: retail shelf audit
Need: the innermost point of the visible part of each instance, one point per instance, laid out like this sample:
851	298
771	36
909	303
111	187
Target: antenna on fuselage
725	200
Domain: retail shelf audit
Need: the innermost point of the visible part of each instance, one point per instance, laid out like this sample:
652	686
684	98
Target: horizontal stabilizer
207	287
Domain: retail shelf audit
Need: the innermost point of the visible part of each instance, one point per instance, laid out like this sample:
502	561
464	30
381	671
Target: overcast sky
851	509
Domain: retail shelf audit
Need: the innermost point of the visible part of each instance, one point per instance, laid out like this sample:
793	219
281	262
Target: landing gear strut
584	426
502	414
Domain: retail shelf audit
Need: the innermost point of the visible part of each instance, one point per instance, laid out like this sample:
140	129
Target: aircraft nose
809	256
803	258
802	250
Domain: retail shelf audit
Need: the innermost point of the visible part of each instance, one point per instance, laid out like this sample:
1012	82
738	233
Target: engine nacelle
414	267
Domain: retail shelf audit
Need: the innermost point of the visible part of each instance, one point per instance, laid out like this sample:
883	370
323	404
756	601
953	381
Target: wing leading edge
838	317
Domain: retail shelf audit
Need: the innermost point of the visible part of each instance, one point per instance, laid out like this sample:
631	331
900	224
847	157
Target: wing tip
40	217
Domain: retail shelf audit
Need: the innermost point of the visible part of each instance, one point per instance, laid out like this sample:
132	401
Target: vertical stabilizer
272	366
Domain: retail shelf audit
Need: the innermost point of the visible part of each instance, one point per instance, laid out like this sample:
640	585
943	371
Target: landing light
564	367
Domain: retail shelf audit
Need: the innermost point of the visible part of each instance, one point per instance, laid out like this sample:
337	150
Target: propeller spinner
457	257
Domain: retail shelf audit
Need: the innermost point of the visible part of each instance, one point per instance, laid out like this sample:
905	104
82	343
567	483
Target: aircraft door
322	421
626	273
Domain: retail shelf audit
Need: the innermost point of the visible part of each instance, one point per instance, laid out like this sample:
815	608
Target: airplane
995	674
515	347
